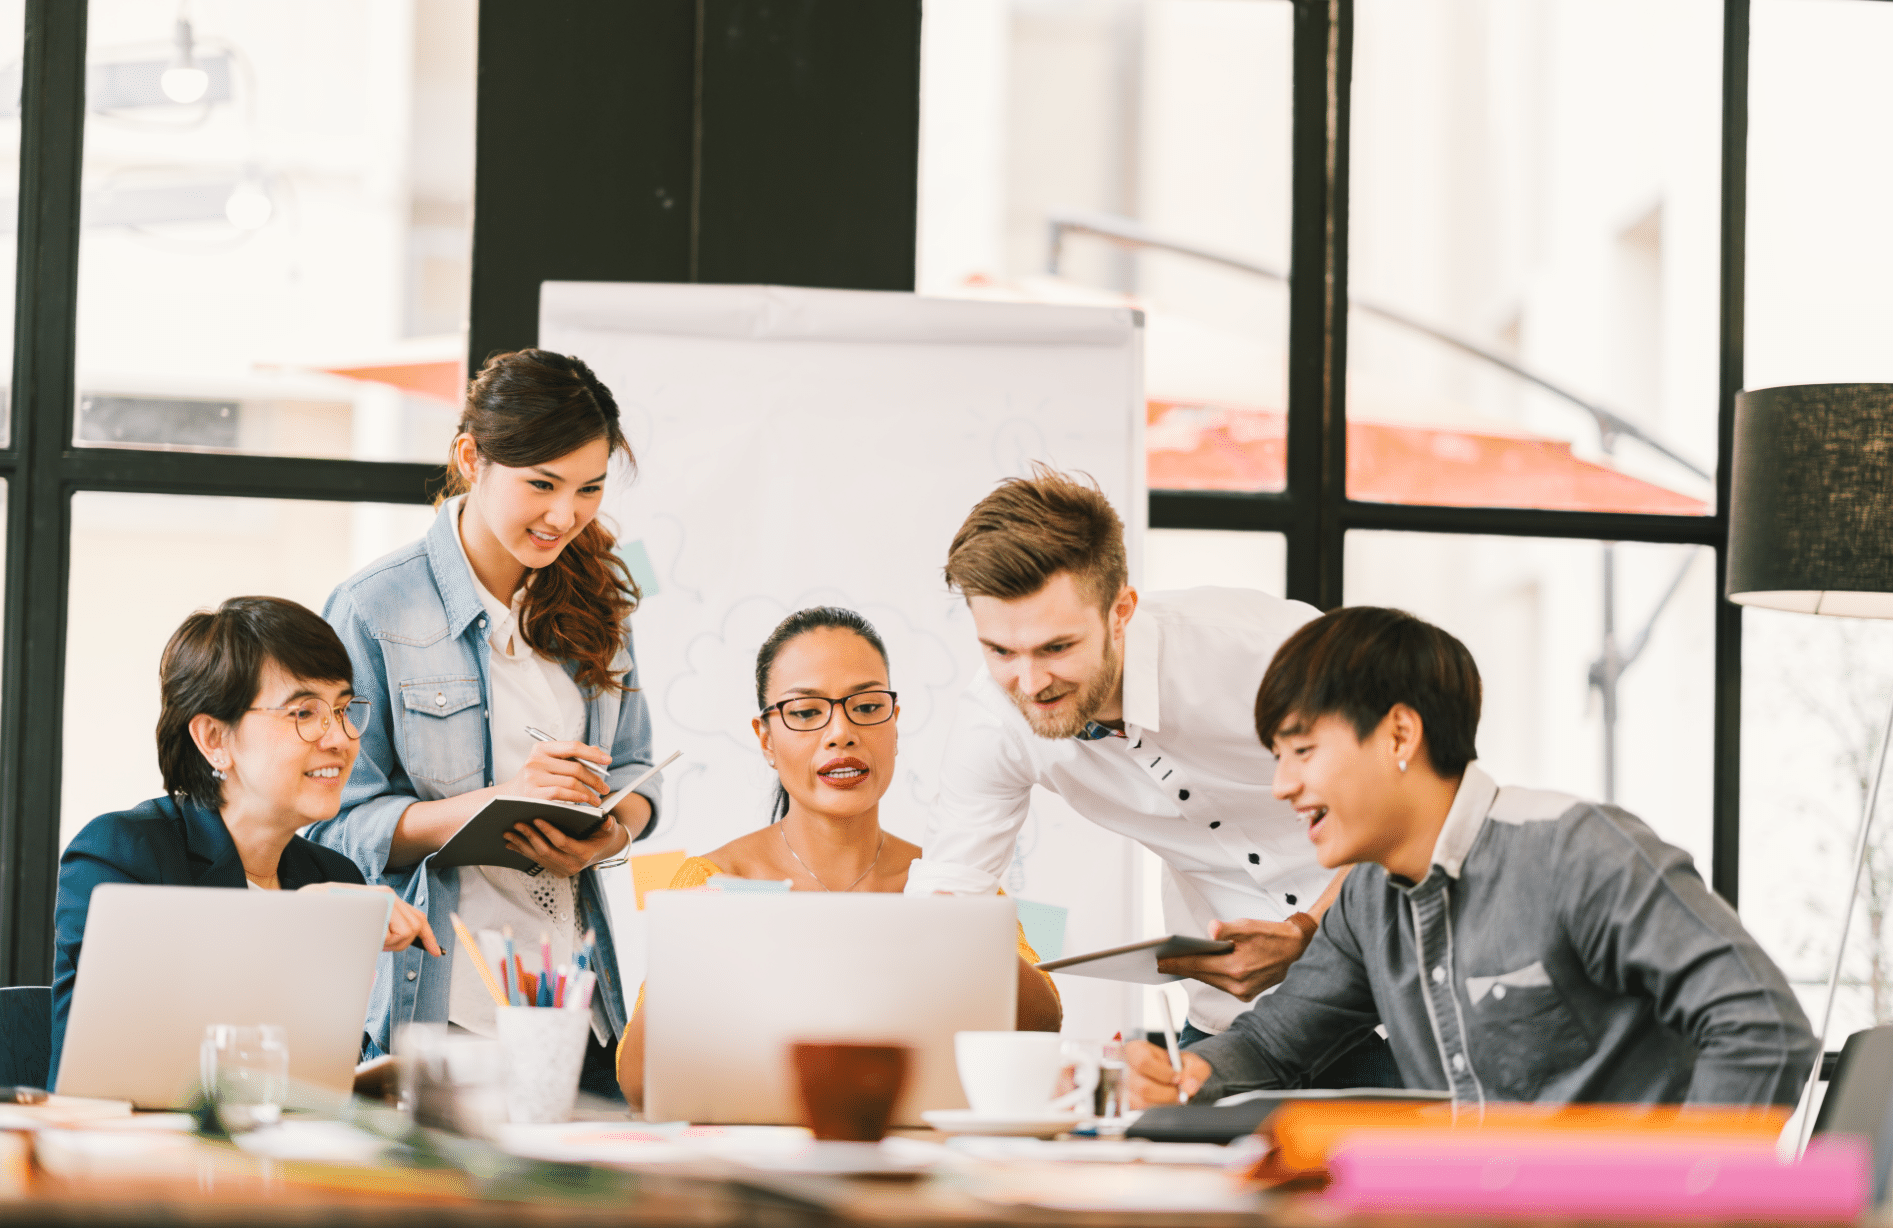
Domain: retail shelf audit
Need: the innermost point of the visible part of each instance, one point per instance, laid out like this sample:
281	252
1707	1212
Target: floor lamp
1811	530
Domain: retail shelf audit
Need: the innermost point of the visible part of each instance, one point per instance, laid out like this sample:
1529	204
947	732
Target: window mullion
38	547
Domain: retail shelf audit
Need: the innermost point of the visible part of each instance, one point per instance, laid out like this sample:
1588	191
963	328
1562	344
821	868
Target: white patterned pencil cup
545	1050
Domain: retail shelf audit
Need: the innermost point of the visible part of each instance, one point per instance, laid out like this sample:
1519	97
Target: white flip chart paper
799	447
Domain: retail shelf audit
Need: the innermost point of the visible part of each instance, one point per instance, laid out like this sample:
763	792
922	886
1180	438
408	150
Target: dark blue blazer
164	842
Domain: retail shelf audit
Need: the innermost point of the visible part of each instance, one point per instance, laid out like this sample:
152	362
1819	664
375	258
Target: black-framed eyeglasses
313	718
807	713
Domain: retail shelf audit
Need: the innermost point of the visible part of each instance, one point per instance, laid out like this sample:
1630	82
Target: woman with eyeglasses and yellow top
257	732
827	727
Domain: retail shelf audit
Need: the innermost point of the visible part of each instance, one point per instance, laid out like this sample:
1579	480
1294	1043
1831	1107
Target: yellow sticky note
653	871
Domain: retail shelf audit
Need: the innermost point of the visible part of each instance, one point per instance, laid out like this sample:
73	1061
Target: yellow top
696	871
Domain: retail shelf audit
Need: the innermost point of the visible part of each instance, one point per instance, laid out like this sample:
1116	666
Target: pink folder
1525	1174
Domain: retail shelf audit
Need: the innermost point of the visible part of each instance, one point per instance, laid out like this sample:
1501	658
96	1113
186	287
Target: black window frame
1314	511
672	140
659	141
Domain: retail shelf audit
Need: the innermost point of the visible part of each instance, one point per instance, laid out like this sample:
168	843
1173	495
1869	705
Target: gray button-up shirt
1556	951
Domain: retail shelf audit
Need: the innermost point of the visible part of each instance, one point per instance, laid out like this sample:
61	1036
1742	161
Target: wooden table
220	1186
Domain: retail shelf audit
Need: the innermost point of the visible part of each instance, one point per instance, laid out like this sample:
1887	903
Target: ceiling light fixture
249	206
184	81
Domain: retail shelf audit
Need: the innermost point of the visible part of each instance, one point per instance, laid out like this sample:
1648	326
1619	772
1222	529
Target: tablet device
1138	961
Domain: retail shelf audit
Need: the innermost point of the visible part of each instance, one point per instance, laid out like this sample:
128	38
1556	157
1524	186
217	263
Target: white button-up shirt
524	687
1189	780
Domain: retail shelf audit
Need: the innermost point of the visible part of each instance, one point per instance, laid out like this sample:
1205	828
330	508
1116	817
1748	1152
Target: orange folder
1304	1133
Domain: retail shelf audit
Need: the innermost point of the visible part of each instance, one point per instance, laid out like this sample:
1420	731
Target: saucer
1029	1125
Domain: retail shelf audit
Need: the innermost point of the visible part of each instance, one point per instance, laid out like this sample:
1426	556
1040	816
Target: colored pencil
512	968
479	961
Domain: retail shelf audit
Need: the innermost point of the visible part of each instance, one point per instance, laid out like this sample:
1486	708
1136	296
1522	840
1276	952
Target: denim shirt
414	627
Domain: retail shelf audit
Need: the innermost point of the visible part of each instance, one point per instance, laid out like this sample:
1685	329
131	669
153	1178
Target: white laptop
161	963
733	978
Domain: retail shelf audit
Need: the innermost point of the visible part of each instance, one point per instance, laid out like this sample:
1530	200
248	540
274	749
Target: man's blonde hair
1030	529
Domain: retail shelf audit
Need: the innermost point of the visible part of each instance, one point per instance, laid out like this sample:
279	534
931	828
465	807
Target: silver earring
1403	765
218	774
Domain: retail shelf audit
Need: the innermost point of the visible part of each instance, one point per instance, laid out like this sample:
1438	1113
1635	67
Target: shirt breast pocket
1525	1033
444	723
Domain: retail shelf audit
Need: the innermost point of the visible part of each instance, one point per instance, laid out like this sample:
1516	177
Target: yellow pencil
479	961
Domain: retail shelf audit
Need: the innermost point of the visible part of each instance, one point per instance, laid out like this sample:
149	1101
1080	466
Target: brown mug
849	1090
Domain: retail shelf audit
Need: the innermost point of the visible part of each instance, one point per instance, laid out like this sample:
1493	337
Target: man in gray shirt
1515	944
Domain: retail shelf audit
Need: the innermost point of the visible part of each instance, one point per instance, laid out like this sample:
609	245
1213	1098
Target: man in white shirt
1139	712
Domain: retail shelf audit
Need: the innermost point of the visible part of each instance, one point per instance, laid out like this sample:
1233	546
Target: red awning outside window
440	380
1192	446
1204	447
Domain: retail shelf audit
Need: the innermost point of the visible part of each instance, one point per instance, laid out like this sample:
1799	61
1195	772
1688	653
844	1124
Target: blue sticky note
1044	926
637	560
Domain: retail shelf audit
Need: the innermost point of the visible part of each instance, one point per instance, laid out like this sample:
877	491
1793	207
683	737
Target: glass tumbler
245	1073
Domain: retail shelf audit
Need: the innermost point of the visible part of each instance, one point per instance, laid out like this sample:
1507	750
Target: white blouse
523	688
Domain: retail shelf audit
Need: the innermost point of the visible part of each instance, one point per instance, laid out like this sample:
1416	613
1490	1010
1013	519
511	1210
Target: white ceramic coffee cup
1014	1074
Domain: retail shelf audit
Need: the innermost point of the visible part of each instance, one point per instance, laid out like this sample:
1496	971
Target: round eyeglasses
807	713
313	718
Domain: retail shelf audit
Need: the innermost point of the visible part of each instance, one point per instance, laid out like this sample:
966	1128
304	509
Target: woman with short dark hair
256	735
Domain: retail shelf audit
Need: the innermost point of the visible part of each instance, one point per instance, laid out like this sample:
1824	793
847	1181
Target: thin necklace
784	829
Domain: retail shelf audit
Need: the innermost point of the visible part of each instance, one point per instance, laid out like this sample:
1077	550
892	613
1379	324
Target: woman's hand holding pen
554	772
407	924
564	855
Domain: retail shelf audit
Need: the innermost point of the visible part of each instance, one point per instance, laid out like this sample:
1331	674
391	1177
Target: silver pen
540	735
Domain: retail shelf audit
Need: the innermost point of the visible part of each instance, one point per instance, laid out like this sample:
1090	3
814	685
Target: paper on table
661	1142
653	871
1097	1151
57	1110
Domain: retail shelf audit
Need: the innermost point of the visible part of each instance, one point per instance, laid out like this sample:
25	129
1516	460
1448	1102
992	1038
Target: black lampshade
1811	500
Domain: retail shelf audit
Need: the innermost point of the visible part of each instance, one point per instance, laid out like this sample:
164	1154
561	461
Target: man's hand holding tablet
1264	951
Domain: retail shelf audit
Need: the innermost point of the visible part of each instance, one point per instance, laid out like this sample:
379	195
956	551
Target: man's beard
1070	721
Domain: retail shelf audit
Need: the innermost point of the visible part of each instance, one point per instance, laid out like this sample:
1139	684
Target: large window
1127	150
273	259
1533	231
255	259
1820	307
248	264
1447	304
277	208
124	543
1497	386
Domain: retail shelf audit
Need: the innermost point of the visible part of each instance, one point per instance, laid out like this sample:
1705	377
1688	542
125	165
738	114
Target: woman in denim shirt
512	613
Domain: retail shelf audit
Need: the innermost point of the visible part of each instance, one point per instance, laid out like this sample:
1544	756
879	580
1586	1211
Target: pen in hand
540	735
1170	1039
